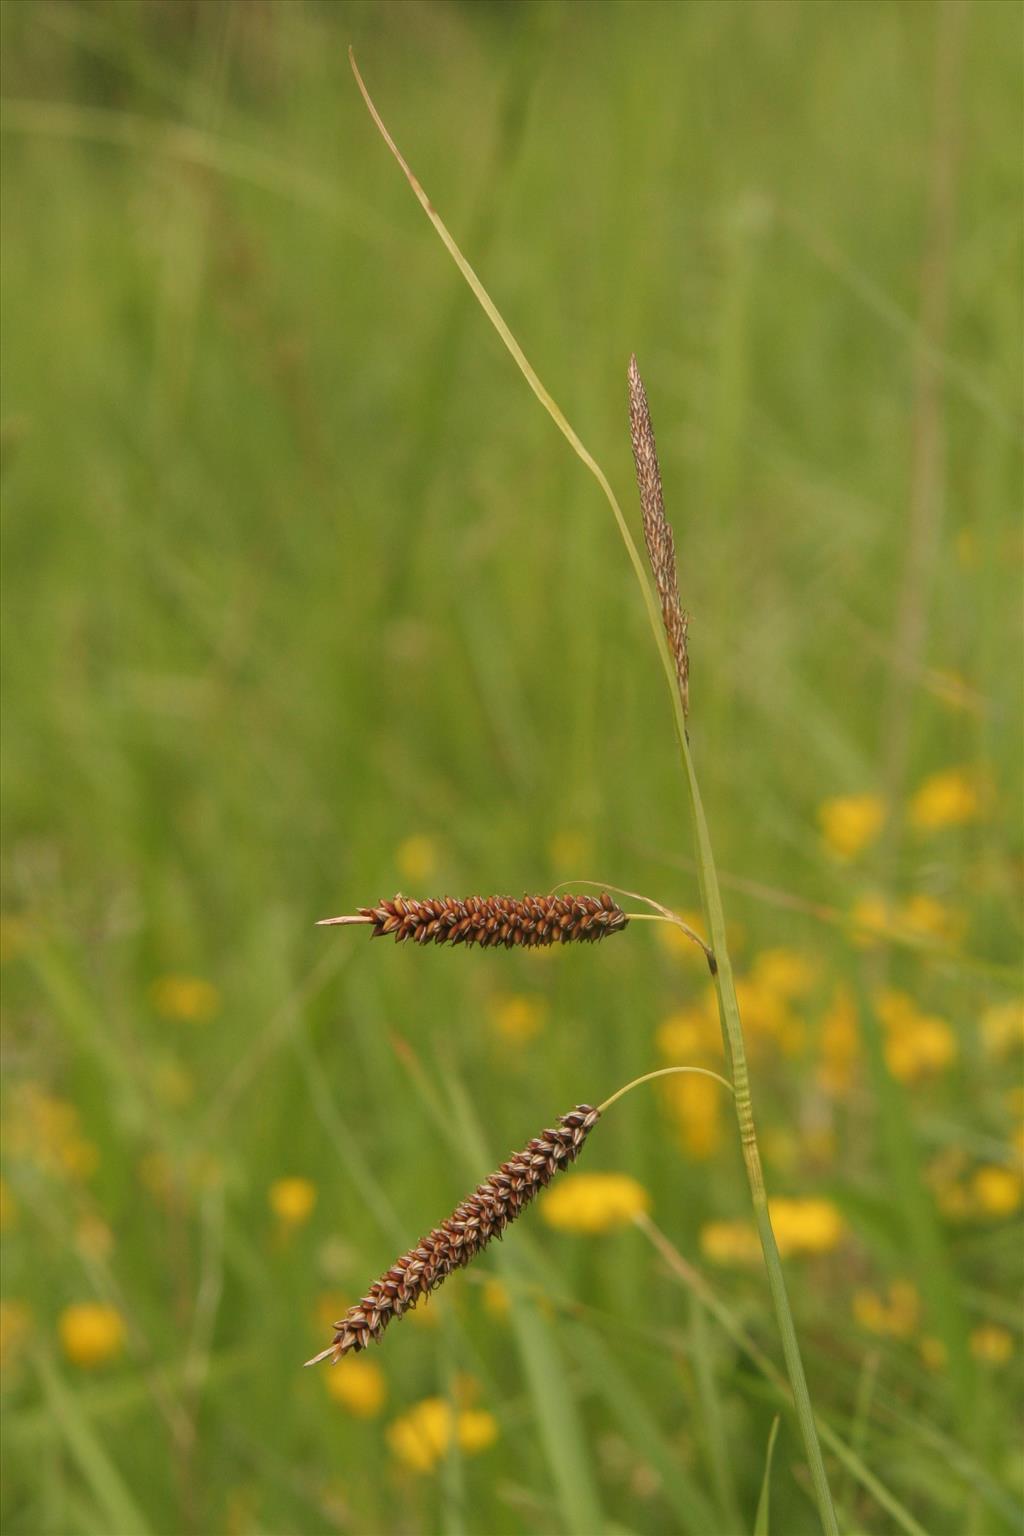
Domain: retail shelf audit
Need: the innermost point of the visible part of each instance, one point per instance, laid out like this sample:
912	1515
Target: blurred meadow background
306	602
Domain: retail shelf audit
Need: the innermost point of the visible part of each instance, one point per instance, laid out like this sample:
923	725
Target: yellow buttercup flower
785	972
934	1353
851	823
15	1327
895	1315
46	1131
292	1200
421	1437
593	1203
359	1386
871	919
517	1017
916	1044
808	1226
8	1207
991	1344
839	1044
951	798
997	1191
922	916
1002	1027
923	1047
695	1103
417	859
690	1037
730	1242
186	999
477	1430
91	1333
497	1302
804	1228
15	935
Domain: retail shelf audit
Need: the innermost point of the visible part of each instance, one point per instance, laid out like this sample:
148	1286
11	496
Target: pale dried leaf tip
657	530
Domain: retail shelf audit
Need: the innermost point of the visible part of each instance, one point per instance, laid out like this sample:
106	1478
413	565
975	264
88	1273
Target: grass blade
121	1512
761	1523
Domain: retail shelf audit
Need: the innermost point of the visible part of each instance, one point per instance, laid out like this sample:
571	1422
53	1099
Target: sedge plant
505	1192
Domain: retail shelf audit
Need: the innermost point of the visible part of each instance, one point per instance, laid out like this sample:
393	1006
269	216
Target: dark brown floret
468	1230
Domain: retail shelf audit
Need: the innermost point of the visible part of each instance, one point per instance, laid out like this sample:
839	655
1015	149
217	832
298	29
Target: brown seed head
657	530
528	923
467	1231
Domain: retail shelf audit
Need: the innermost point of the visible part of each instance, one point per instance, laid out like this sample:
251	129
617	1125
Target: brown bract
529	922
468	1230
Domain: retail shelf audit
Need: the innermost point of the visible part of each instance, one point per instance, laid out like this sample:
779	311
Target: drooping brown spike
467	1231
531	922
658	531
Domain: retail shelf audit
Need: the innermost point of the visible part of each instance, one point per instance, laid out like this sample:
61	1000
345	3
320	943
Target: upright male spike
658	531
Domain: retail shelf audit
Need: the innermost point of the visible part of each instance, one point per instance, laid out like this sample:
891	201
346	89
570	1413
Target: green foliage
305	603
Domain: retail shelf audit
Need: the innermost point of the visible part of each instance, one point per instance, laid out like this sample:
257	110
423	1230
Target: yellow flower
934	1353
996	1191
811	1226
358	1385
871	919
695	1104
173	1084
187	999
421	1437
1002	1027
679	944
690	1036
851	823
786	972
895	1316
15	935
15	1326
921	916
569	851
416	859
951	798
8	1207
497	1303
45	1130
517	1017
729	1242
292	1200
991	1344
594	1202
916	1044
93	1237
927	1045
839	1044
477	1430
91	1333
803	1228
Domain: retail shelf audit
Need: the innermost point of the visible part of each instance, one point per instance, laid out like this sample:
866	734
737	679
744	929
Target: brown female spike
531	922
467	1231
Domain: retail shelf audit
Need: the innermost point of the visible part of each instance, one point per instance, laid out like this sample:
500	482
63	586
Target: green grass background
295	569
